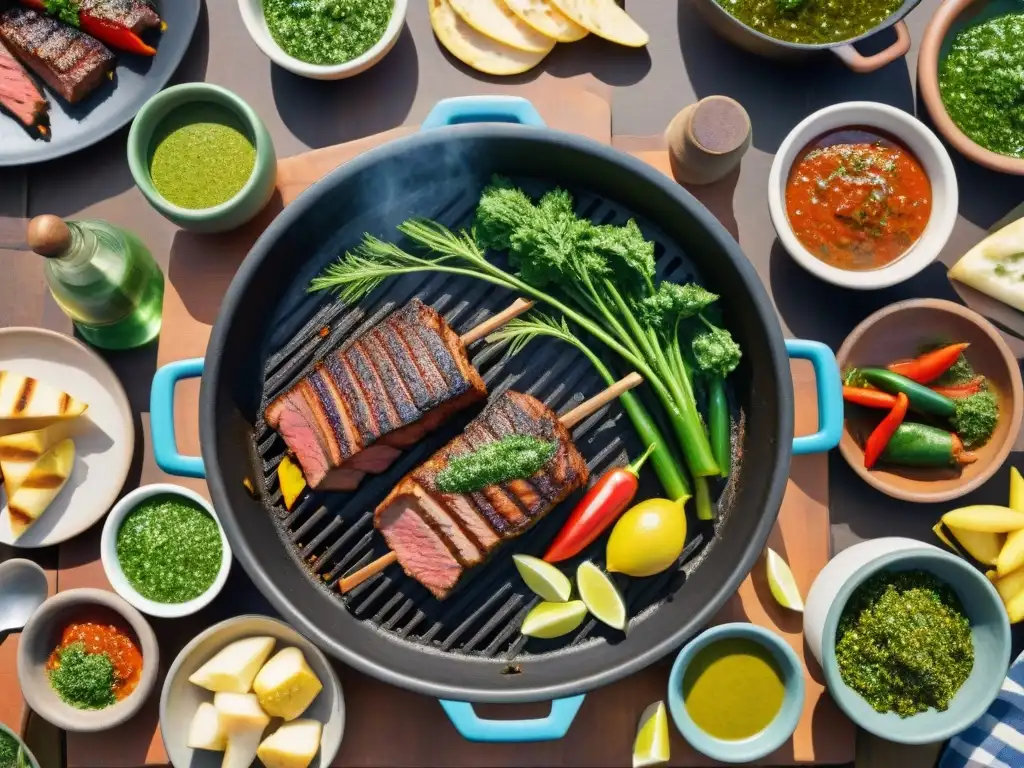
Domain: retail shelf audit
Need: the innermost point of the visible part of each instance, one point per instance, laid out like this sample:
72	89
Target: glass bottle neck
81	248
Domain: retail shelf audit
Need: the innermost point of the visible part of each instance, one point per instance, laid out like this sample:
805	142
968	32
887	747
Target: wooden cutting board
387	726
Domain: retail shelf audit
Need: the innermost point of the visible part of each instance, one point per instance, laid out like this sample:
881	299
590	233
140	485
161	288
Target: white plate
104	435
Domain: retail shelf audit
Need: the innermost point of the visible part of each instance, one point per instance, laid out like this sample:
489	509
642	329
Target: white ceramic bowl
913	134
116	577
839	570
252	16
180	699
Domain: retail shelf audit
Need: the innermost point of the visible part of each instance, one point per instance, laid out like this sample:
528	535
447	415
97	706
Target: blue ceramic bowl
780	729
990	629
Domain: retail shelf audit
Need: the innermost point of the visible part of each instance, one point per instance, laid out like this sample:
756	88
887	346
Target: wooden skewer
491	324
569	420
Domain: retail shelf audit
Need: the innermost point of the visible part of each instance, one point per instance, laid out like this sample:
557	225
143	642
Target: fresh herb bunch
83	680
65	10
904	643
976	418
511	458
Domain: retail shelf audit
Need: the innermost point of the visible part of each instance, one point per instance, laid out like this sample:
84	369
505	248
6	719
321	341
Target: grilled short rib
20	96
437	536
360	408
68	60
136	15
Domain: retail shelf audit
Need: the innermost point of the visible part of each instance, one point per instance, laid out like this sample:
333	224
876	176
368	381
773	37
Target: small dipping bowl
112	566
990	632
915	137
43	633
777	732
896	333
249	201
29	757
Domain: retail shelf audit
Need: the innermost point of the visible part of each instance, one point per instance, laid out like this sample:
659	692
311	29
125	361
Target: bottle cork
49	236
708	139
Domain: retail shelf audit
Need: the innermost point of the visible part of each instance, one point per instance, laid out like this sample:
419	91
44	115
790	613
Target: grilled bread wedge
20	452
475	49
605	19
494	19
29	404
40	487
995	266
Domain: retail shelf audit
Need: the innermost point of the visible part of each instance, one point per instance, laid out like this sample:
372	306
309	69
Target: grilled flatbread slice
995	266
605	19
474	49
494	19
41	486
543	16
33	404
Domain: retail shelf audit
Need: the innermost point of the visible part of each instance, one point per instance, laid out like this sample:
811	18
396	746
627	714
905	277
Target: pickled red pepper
926	368
597	510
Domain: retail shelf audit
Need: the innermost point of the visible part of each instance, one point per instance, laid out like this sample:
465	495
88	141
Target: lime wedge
782	583
651	745
544	579
600	595
548	620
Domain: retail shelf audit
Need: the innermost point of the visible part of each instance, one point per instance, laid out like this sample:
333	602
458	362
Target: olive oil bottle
104	279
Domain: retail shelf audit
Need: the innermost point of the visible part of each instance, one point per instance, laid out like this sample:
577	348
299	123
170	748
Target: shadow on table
324	113
777	95
193	66
611	64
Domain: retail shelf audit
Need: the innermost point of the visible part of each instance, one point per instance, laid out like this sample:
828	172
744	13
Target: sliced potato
286	685
543	16
41	485
1016	490
605	19
233	667
494	19
474	49
241	749
983	546
985	517
240	712
206	731
293	745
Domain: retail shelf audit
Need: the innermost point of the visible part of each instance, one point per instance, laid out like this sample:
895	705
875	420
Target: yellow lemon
648	539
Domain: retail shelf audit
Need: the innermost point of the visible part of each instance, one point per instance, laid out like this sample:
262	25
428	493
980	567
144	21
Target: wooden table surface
684	61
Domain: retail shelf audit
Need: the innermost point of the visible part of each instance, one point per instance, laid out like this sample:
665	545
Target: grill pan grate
332	534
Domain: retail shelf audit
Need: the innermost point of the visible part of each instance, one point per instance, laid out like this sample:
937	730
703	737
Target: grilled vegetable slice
22	397
476	50
41	486
20	452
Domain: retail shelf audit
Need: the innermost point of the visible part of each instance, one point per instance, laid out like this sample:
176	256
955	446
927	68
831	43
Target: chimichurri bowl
951	18
758	41
164	550
264	31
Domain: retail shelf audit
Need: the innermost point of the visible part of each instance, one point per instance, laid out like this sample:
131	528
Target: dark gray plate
113	104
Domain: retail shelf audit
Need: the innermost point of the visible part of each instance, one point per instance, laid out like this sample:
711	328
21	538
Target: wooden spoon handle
491	324
351	582
587	407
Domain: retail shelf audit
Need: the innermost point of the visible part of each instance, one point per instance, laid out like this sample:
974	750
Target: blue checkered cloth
996	740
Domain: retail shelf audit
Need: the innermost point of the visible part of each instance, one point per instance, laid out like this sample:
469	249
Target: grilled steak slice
136	15
486	517
396	382
68	60
20	96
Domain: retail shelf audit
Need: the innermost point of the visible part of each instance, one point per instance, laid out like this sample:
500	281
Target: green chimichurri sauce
510	458
904	643
327	31
169	549
812	21
982	84
11	755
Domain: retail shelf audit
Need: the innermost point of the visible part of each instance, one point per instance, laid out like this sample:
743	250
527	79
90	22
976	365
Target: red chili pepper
869	398
929	366
597	510
962	390
878	439
114	35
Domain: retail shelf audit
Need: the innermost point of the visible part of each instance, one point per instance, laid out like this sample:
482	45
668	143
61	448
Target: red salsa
857	199
110	641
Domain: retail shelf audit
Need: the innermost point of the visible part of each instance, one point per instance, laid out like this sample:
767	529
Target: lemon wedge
651	744
782	583
600	595
544	579
550	620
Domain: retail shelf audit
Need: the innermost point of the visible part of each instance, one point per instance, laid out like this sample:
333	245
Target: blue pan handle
550	728
482	109
161	419
830	396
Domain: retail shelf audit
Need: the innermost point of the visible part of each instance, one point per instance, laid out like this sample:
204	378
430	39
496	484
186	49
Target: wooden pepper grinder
708	139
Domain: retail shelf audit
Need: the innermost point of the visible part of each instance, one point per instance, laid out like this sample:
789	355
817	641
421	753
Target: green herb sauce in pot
811	22
169	549
982	83
327	32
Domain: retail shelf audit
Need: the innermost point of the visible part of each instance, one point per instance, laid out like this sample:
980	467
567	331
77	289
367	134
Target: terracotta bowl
952	16
895	333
